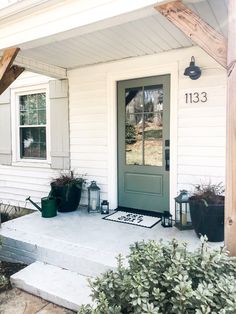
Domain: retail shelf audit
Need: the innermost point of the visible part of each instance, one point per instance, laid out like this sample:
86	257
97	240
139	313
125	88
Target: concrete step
27	247
55	284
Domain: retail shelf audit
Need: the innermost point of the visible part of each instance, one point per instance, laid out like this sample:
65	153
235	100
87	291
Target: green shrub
167	278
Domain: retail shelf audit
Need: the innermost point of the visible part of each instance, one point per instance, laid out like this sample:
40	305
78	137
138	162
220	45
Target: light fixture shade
193	71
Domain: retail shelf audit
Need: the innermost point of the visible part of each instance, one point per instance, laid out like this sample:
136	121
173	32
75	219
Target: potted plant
67	190
207	211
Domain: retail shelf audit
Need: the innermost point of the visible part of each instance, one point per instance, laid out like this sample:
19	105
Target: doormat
135	219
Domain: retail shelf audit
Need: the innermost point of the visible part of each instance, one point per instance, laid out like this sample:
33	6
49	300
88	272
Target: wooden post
9	72
7	59
196	29
230	201
10	76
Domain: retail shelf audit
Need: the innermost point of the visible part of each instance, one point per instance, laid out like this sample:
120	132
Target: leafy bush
209	193
167	278
9	212
68	178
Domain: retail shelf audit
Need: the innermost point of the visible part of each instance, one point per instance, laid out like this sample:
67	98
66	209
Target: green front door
143	143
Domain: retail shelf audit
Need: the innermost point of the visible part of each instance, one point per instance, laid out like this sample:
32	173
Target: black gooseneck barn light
193	71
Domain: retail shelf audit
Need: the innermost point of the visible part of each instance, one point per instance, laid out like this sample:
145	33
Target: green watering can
48	204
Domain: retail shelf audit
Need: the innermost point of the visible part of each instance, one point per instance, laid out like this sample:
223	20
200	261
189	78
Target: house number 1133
195	97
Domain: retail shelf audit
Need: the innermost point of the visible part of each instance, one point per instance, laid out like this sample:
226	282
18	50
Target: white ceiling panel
143	36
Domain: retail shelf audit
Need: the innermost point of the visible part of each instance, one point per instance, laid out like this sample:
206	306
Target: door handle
167	159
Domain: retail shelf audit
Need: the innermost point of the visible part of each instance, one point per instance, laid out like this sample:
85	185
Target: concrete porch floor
65	250
79	241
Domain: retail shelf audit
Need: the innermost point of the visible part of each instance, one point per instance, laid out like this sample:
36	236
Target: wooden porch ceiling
147	33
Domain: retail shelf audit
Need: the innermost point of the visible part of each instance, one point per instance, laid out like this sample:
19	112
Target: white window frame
15	108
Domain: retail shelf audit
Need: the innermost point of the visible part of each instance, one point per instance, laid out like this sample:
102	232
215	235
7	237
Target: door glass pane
133	126
152	142
153	125
143	125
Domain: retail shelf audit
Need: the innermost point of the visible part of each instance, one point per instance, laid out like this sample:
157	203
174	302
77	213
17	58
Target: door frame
136	72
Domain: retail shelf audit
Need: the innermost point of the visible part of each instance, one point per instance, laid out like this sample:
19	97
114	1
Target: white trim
112	79
66	16
15	93
39	67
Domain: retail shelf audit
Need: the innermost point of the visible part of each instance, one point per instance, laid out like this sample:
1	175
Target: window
31	117
32	127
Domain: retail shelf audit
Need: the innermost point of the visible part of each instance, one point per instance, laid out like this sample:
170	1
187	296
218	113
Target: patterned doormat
140	220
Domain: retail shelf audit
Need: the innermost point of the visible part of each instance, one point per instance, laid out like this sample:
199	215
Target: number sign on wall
196	97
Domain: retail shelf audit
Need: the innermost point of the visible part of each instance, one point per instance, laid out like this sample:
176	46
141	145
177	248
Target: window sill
32	164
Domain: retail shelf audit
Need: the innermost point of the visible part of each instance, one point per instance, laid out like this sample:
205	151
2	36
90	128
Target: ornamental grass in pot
207	211
67	190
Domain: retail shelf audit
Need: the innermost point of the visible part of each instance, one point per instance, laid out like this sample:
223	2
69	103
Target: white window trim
16	159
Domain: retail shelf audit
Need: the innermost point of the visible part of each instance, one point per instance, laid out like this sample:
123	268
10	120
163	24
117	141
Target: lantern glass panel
105	207
182	211
166	220
177	212
93	197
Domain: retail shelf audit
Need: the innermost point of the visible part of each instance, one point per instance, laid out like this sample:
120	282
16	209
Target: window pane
41	101
33	142
42	117
134	126
133	142
153	125
33	109
152	141
33	117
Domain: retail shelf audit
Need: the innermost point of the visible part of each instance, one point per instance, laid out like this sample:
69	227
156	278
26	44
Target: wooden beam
196	29
230	199
9	77
7	59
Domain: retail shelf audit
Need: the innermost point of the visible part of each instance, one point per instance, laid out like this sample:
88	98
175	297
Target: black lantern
105	207
166	219
93	198
193	71
182	213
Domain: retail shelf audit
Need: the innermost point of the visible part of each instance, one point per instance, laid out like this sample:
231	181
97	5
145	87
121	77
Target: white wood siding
201	127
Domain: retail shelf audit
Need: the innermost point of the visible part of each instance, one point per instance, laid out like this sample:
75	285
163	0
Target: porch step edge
57	285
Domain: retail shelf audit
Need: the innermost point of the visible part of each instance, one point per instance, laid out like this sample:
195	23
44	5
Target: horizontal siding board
83	133
201	122
218	111
92	164
196	132
86	149
205	171
203	141
78	141
92	172
95	156
197	179
199	151
201	161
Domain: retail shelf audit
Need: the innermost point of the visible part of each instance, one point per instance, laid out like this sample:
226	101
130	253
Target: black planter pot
67	196
208	220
